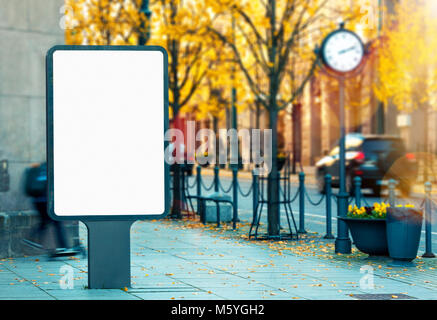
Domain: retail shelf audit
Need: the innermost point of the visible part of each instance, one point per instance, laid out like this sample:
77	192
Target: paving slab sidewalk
185	260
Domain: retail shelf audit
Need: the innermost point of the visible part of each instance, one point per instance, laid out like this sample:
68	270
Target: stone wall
28	28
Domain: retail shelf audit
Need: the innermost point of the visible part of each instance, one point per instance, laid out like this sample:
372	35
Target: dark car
374	158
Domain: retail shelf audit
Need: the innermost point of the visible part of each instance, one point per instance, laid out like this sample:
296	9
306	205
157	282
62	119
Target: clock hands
347	50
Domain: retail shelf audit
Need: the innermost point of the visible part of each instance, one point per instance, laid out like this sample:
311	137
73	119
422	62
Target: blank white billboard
106	117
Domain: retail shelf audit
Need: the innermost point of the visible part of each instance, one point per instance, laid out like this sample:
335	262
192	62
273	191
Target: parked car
188	167
374	158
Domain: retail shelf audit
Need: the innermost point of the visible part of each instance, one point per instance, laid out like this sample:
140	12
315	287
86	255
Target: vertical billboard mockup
107	112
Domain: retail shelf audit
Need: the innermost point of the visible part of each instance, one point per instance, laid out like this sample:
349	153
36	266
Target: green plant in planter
378	211
374	231
368	228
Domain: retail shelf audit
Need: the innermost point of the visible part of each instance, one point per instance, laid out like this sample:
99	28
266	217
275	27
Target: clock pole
342	61
342	242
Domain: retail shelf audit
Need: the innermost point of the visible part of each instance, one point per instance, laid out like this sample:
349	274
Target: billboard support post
107	115
109	261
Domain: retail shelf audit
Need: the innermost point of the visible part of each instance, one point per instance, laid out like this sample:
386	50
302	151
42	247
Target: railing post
357	191
301	202
428	222
235	196
216	179
202	208
392	192
254	194
184	186
328	192
217	203
198	188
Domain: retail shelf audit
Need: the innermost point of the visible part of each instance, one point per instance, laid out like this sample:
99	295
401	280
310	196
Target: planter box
404	226
369	235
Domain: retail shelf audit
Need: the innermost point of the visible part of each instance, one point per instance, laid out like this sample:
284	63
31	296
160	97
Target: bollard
184	186
255	194
235	196
198	188
202	208
428	222
328	192
301	203
392	192
217	203
357	191
216	179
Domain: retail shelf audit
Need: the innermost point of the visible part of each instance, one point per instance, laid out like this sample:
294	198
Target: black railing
256	190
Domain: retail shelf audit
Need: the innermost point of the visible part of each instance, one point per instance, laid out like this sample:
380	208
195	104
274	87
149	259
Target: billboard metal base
109	254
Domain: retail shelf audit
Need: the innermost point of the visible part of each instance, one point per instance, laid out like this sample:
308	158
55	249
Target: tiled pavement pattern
175	260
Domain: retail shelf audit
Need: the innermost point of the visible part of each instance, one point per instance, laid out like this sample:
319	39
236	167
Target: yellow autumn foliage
407	65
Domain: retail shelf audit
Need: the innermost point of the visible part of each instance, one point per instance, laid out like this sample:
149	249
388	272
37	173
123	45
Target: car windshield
376	146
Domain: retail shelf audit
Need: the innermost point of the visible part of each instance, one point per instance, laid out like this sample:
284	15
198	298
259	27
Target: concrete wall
28	28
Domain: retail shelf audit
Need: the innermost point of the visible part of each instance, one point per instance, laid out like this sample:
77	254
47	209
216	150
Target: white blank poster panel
108	132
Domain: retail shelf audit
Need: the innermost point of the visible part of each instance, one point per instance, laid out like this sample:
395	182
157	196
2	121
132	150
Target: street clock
342	54
342	51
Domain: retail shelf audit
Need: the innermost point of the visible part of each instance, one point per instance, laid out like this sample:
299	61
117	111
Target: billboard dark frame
49	134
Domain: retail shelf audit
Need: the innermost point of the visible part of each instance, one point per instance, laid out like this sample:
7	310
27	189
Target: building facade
28	28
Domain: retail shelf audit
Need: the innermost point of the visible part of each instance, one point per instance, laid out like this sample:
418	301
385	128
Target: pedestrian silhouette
36	184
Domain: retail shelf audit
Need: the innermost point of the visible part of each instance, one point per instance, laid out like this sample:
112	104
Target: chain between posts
223	189
350	199
316	203
193	185
245	195
295	195
207	188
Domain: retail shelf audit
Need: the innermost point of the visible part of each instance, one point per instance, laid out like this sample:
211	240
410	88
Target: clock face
343	51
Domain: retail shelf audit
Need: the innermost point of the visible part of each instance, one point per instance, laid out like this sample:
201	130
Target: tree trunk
178	198
273	180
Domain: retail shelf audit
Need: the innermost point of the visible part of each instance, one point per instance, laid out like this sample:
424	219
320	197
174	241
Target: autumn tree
272	32
180	27
104	22
407	60
407	66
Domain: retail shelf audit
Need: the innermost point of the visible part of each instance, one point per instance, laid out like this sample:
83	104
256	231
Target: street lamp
144	36
342	54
